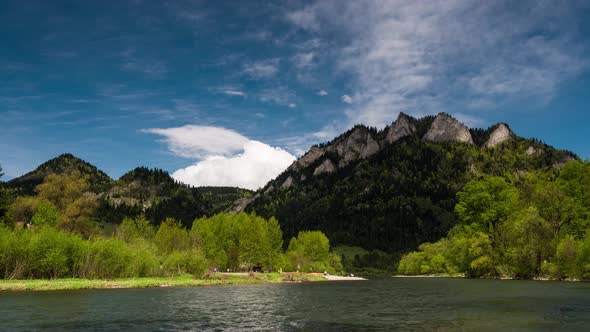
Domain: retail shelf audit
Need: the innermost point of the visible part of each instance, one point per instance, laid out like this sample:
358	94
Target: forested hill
25	185
155	194
394	189
141	191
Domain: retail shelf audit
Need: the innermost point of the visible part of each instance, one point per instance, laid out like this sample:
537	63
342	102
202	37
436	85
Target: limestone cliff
444	128
359	144
326	167
499	136
402	127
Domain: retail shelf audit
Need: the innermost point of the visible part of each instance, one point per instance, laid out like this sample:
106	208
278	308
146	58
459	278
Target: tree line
55	234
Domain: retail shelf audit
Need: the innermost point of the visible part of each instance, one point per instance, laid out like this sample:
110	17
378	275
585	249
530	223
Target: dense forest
533	225
400	197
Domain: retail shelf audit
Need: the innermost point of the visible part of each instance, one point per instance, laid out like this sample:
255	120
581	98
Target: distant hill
155	194
396	188
141	191
25	185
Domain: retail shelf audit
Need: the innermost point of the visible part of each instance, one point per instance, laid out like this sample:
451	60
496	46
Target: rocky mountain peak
445	128
500	135
359	144
402	127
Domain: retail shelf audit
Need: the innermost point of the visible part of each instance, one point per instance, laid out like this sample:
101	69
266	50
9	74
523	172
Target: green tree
69	193
171	237
485	203
310	251
23	209
46	214
529	243
135	228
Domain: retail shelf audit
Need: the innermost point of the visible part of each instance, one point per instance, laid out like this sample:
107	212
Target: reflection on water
392	304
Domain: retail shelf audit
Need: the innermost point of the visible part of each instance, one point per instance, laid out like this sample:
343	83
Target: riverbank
177	281
461	275
437	275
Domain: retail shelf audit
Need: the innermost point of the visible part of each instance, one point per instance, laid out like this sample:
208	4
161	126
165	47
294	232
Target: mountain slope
141	191
396	188
155	194
25	184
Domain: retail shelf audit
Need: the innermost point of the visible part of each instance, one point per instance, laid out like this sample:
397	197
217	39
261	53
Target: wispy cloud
280	95
234	93
262	69
431	56
322	93
303	60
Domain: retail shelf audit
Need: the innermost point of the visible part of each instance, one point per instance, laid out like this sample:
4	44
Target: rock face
326	167
402	127
312	155
499	136
446	129
357	145
287	184
531	150
241	204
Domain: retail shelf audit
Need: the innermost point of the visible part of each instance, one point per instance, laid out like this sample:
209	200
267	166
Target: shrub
183	262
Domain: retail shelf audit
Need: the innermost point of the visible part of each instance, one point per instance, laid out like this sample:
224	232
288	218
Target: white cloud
262	69
303	60
322	93
346	99
234	93
226	158
280	95
292	105
252	169
426	57
200	141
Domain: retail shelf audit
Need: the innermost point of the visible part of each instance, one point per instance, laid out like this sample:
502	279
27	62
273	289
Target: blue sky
193	86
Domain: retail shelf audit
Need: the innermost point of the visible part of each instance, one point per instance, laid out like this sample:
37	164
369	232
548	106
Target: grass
145	282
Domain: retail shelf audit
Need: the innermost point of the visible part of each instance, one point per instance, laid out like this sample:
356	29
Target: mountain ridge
400	194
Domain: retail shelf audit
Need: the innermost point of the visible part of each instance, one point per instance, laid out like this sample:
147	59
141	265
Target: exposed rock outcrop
326	167
241	204
499	136
287	184
359	144
269	189
402	127
312	155
446	129
531	150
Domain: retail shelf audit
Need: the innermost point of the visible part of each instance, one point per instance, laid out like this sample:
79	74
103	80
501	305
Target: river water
408	304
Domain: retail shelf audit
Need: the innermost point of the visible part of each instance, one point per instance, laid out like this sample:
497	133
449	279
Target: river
385	304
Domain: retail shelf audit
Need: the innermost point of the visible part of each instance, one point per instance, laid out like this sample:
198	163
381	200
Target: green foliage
240	242
135	228
171	236
310	252
46	214
536	227
486	203
185	262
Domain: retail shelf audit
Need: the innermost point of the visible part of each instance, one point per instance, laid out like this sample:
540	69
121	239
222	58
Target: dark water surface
393	304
